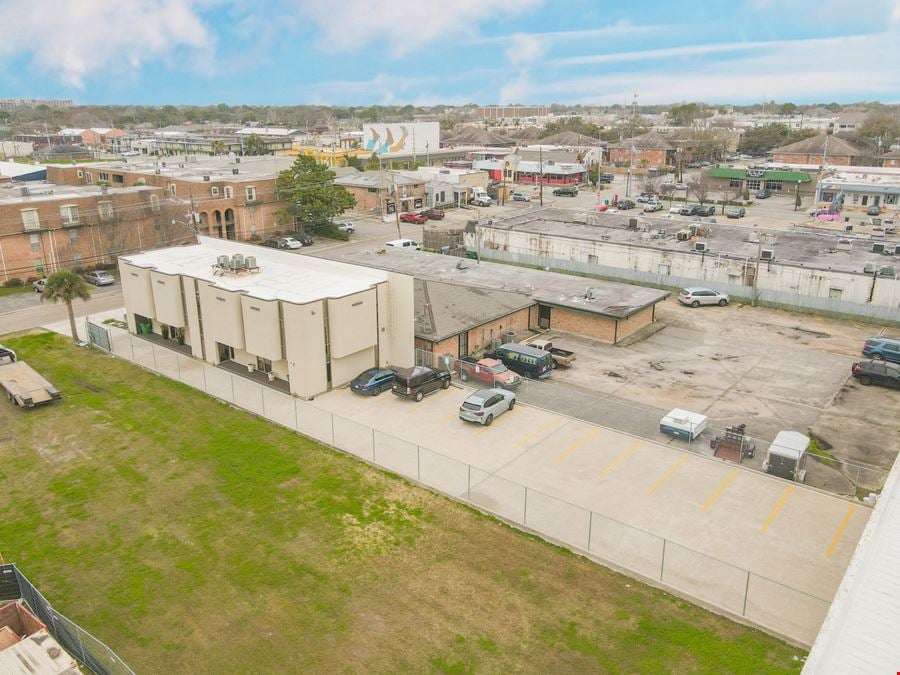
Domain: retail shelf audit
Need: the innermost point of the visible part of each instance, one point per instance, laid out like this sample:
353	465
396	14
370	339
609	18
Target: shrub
31	280
13	282
331	231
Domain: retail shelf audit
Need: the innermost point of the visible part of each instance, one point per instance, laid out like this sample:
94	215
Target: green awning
753	174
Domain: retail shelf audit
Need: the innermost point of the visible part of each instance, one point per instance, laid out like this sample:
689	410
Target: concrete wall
136	291
352	323
167	298
223	320
396	321
262	327
304	328
678	268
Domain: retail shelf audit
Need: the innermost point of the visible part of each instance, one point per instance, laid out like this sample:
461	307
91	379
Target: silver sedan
486	404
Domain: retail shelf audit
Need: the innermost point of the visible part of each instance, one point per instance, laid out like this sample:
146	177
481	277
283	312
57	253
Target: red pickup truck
491	371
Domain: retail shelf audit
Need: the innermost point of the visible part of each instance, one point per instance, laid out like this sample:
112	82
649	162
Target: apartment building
232	197
45	227
300	324
650	149
384	191
819	150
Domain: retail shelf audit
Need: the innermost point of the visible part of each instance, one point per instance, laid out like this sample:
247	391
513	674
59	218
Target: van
527	361
410	244
417	382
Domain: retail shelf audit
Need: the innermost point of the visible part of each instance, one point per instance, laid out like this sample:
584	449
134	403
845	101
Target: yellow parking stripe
562	457
720	490
781	502
840	531
552	423
668	474
618	460
498	420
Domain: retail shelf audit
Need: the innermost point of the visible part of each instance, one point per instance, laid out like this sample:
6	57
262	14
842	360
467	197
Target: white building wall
192	310
396	322
222	318
136	292
166	291
304	330
352	324
262	327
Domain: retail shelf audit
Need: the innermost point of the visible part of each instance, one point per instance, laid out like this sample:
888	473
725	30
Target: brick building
233	197
820	149
95	137
384	191
45	227
650	149
891	159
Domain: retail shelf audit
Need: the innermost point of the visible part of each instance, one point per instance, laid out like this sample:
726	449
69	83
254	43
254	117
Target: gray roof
195	167
571	139
648	141
611	299
444	310
374	179
475	136
815	145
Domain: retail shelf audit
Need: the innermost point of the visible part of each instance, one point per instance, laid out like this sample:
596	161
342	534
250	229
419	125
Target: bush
331	231
255	238
13	283
31	280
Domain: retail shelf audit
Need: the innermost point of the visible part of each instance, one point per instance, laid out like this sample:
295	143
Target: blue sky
360	52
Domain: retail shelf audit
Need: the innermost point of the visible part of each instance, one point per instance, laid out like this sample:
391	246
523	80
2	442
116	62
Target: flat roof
376	179
859	634
814	248
282	275
195	167
611	299
11	193
444	310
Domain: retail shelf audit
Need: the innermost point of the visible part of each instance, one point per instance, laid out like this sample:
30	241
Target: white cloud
518	90
77	39
525	49
403	25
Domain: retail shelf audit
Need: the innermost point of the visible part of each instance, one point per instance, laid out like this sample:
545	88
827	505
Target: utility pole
631	160
759	244
541	177
427	154
396	209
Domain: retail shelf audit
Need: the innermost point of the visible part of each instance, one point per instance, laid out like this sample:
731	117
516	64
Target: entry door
226	353
463	343
543	317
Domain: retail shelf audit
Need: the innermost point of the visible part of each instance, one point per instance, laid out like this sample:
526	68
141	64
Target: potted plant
271	376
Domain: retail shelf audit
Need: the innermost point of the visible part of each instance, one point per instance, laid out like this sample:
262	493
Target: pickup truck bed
25	387
561	357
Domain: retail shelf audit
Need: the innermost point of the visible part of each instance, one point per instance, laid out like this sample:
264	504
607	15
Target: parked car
696	296
882	349
647	197
566	191
271	243
419	381
561	357
433	214
735	212
870	371
413	218
675	209
100	278
373	381
606	178
681	186
38	285
689	210
763	194
486	404
409	244
873	210
705	210
526	361
651	207
491	371
293	243
304	239
347	227
520	197
625	204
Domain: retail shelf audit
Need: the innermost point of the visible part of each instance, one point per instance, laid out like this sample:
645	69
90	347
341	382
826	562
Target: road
21	313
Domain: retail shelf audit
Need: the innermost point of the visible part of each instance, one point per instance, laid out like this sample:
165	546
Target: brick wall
654	156
368	202
634	323
795	158
480	337
582	323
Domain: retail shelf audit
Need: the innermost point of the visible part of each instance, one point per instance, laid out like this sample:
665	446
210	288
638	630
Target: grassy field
15	290
192	537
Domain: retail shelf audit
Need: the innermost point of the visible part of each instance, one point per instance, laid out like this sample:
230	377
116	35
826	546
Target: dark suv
877	372
567	191
417	382
882	349
705	211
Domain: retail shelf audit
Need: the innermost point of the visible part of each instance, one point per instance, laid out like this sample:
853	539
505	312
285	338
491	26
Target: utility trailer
25	387
733	445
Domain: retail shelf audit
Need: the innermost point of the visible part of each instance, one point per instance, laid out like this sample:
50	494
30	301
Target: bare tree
700	187
650	185
667	190
730	193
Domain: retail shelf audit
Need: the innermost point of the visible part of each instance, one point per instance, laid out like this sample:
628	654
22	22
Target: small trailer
683	423
25	387
561	357
733	445
786	456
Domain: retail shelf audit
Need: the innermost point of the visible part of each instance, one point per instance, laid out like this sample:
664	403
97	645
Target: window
172	188
735	182
827	196
39	265
105	209
856	198
118	178
773	184
890	199
229	192
251	194
80	173
30	219
835	293
214	191
372	189
73	236
263	365
103	176
35	240
753	184
154	202
69	214
865	200
89	177
76	259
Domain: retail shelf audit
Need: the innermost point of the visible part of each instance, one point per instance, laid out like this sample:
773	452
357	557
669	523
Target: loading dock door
543	317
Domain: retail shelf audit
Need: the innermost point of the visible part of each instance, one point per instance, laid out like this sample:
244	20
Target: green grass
193	537
25	288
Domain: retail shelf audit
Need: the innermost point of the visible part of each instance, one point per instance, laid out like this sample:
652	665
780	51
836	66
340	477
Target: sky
425	52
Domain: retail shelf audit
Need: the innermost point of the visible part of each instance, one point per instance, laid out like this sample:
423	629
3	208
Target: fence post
332	428
590	529
469	483
418	463
373	443
525	508
746	593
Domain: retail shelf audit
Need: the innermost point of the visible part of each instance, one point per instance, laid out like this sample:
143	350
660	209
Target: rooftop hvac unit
237	160
24	190
848	227
877	233
222	261
870	268
237	261
897	249
632	223
661	233
163	163
886	271
700	246
157	172
235	171
250	262
695	230
767	254
844	244
878	247
206	178
682	235
753	237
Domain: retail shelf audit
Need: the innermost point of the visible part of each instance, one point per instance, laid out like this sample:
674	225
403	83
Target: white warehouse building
305	324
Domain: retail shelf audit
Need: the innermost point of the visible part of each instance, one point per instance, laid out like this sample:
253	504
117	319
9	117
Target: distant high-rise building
13	103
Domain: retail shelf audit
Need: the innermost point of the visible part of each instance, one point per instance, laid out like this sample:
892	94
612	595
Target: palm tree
218	148
67	286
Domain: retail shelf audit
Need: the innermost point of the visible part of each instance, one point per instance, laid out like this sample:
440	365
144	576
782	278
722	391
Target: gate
98	336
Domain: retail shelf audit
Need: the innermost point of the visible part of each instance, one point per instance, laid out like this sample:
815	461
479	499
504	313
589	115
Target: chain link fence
83	646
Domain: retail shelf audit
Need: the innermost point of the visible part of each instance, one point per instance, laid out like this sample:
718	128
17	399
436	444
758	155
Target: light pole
541	177
761	239
797	198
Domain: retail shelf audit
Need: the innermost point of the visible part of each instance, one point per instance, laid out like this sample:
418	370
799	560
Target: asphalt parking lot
788	533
